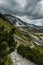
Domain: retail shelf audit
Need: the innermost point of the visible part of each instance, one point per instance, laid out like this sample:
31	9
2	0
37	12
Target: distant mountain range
21	24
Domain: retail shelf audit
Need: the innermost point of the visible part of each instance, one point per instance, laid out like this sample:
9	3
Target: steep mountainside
21	24
5	22
22	34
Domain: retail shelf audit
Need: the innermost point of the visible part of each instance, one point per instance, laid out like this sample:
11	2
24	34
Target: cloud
27	10
38	22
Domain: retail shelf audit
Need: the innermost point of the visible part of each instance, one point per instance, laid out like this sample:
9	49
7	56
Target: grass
19	33
38	47
9	61
6	24
27	37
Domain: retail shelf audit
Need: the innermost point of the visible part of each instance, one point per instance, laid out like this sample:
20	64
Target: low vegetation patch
8	61
7	44
31	54
6	24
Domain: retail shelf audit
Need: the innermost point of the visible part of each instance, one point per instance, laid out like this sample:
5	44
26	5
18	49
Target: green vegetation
6	24
7	43
24	35
31	54
38	47
8	61
19	33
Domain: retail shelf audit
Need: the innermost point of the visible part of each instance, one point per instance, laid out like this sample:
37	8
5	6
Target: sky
30	11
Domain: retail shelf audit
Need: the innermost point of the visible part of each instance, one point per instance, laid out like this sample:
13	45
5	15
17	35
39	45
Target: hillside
23	25
23	37
4	22
25	31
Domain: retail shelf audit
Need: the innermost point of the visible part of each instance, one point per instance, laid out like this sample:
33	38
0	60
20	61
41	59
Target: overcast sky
30	11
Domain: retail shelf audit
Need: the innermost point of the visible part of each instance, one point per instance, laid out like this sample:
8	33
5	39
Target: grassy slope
39	48
24	38
20	34
9	61
6	24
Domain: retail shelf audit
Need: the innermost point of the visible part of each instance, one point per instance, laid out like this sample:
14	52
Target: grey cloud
31	9
14	6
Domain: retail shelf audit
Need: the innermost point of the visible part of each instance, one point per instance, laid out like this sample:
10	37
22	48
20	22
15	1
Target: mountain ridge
19	23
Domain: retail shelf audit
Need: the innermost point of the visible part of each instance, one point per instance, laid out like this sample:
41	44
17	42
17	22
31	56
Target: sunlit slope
6	24
22	37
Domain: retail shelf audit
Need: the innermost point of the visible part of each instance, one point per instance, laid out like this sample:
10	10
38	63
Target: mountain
22	35
16	21
22	24
23	32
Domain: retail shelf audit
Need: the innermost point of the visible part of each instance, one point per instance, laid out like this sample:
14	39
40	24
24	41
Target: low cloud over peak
28	10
